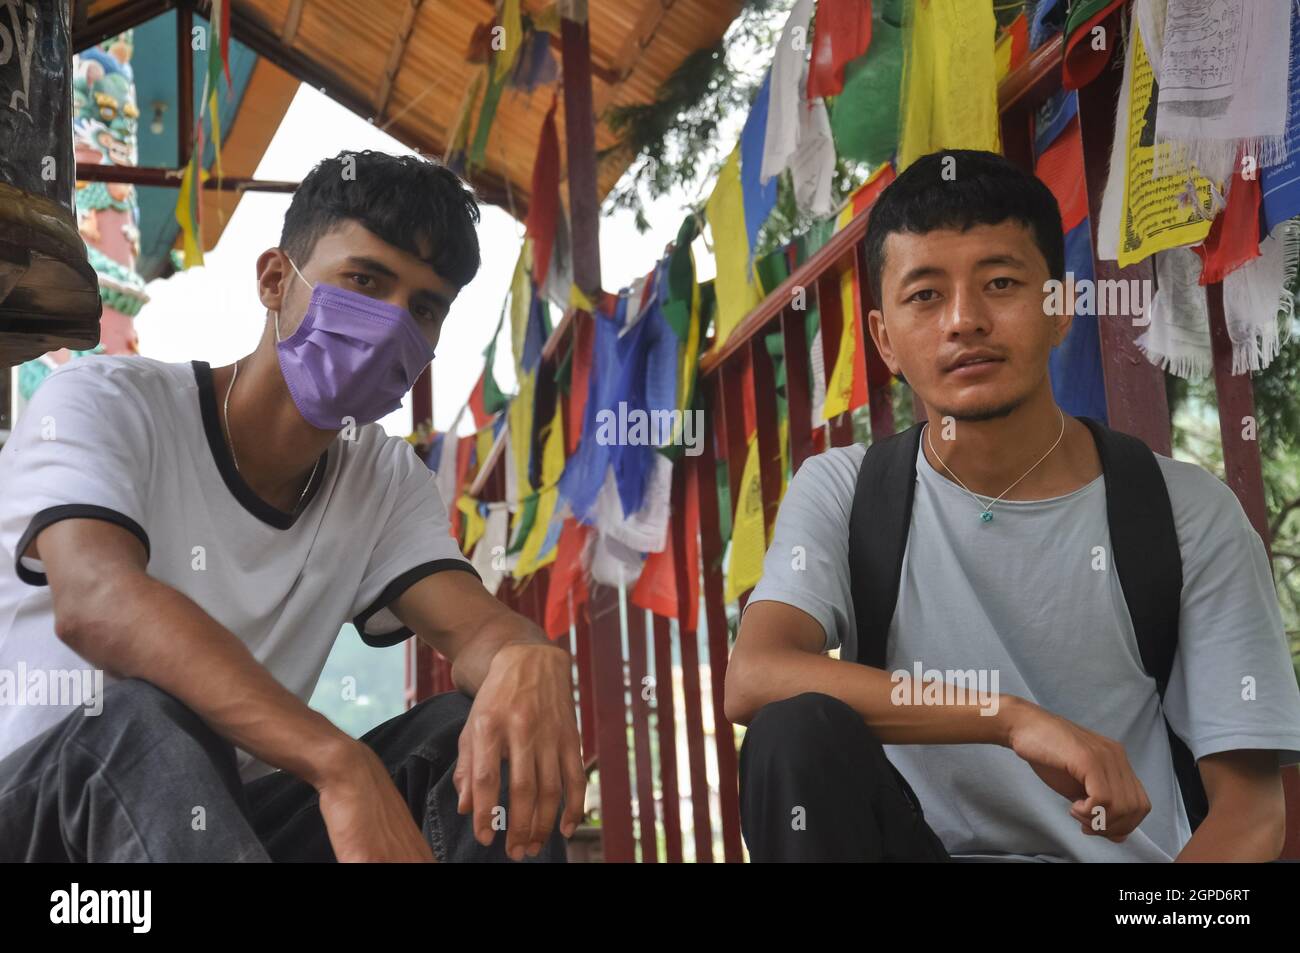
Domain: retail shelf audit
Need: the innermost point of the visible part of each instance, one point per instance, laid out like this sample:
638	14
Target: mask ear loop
276	312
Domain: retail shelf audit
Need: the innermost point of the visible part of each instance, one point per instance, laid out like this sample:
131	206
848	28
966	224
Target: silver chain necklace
987	515
225	410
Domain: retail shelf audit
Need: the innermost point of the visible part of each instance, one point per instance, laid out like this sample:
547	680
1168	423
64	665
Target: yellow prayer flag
548	19
1152	218
185	215
579	301
474	521
529	560
513	28
483	440
749	536
736	285
839	389
553	449
547	500
949	90
521	300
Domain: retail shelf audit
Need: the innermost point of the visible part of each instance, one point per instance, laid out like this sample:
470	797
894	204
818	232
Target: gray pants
148	780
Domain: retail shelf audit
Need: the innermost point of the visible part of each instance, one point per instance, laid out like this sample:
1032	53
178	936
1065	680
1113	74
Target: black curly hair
402	199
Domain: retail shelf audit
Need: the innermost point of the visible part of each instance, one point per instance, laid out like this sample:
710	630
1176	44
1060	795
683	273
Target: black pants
815	785
148	780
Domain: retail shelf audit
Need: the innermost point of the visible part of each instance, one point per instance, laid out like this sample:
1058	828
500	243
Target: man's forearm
1231	837
469	666
772	676
145	629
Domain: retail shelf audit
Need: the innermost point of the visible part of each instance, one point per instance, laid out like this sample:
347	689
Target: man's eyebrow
372	264
1003	259
921	271
379	268
931	271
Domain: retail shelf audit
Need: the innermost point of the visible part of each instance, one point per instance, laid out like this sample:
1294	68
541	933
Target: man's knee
804	727
138	716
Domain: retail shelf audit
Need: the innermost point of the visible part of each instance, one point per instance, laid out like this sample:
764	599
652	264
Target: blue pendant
986	516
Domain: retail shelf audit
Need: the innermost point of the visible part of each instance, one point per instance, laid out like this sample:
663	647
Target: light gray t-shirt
1031	597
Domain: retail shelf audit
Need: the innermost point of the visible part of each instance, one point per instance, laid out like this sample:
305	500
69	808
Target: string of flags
189	206
881	83
1202	180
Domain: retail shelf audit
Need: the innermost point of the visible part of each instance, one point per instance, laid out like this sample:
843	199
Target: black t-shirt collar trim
242	492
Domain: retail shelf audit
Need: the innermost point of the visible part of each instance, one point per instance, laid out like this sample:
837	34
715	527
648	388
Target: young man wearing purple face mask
200	535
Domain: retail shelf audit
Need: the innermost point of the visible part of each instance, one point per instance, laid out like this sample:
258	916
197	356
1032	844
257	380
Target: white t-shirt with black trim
139	443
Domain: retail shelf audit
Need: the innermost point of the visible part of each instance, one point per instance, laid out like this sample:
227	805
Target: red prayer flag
1234	237
841	34
656	587
476	406
568	578
1082	62
1060	168
544	202
1019	30
749	405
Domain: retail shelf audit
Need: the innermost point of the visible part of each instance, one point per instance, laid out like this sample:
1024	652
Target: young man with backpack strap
1070	648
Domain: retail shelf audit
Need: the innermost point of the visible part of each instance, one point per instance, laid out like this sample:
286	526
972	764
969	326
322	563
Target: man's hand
1090	769
523	713
365	817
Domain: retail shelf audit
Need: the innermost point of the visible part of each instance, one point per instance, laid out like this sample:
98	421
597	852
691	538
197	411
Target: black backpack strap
878	528
1144	551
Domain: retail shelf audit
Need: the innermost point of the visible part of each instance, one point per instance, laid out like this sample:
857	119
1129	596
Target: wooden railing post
1135	388
610	704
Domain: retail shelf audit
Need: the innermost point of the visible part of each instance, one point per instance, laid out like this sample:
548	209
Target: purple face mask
351	357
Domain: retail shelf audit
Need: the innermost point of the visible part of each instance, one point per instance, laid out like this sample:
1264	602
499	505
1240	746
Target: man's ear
879	334
1062	322
273	275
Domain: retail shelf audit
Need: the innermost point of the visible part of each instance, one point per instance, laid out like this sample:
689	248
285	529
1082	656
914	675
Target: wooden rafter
647	22
395	56
92	31
292	18
257	36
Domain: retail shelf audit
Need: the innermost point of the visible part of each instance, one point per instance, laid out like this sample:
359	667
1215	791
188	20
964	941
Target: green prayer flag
483	129
681	279
864	116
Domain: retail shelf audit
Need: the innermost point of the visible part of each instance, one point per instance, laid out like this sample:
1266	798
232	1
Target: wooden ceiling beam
95	30
395	56
249	29
292	18
647	22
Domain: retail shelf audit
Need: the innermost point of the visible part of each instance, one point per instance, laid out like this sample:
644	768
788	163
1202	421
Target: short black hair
984	189
402	199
